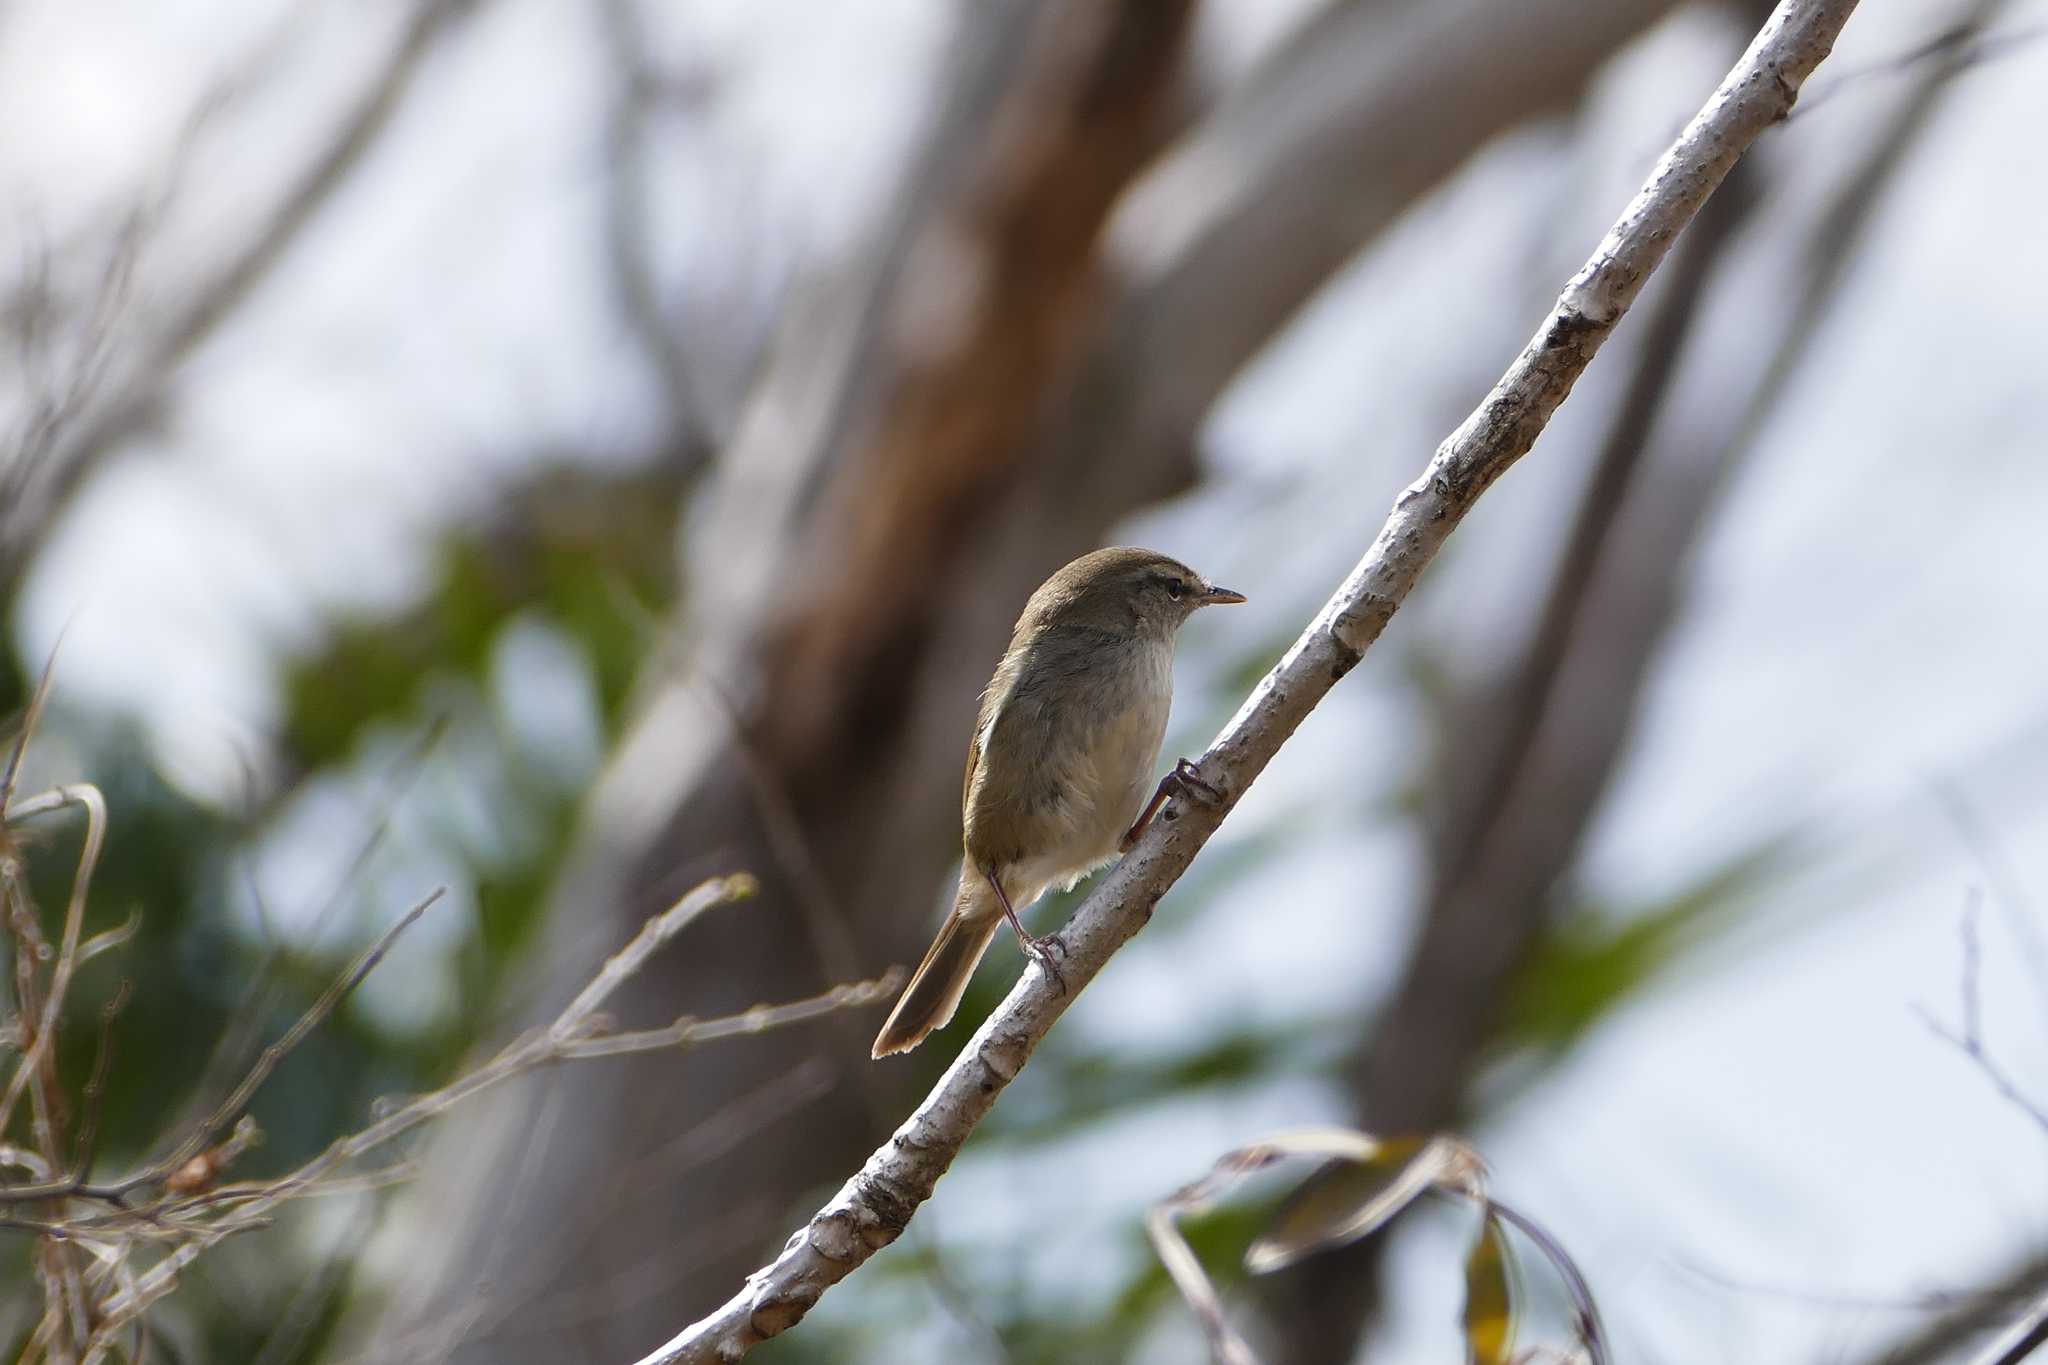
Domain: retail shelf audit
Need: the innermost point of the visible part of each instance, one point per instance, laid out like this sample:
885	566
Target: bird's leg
1182	781
1040	948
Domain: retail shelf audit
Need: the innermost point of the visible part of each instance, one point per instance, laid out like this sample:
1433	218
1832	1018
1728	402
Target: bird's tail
934	992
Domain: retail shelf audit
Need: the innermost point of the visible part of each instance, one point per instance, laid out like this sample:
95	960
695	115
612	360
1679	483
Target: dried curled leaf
1352	1200
1489	1300
1367	1183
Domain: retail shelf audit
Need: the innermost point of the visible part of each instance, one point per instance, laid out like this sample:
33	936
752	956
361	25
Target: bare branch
238	1099
87	797
202	1218
688	1032
62	465
95	1091
873	1207
19	748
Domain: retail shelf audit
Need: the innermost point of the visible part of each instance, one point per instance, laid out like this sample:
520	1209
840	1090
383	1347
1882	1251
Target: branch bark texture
876	1204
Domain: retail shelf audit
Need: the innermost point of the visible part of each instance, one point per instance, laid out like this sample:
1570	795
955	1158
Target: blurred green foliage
586	553
1594	959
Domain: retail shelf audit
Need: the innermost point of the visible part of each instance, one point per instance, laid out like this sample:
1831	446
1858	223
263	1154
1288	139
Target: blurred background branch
123	380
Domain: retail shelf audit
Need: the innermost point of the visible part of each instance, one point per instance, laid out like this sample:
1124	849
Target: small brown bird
1061	758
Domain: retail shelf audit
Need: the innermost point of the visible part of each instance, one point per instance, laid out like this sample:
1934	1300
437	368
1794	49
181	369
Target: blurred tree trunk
840	636
976	404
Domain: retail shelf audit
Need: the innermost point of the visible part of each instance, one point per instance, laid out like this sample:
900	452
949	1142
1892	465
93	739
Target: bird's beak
1213	596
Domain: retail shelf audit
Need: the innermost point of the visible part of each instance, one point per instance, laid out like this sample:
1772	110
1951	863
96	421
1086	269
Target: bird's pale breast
1066	753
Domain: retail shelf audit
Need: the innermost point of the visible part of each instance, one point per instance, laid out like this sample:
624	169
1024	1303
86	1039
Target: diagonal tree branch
876	1204
1944	1337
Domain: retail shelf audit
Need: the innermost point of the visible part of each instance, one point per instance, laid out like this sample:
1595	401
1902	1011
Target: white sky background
1866	617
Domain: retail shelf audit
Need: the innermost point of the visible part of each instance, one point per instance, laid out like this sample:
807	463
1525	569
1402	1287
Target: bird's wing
992	698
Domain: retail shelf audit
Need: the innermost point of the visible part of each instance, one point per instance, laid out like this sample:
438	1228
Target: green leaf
590	551
1592	961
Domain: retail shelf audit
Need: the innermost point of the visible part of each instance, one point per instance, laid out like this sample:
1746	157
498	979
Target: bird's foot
1189	780
1184	781
1046	949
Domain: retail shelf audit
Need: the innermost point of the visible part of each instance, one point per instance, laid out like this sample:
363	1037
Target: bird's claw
1192	785
1044	950
1185	781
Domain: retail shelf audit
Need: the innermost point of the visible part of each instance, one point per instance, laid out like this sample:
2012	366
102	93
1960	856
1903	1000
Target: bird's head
1125	589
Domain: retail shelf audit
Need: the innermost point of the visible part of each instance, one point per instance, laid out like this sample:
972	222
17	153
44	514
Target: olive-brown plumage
1062	756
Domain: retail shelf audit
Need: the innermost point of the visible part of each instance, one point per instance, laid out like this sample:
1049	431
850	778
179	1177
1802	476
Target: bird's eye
1176	589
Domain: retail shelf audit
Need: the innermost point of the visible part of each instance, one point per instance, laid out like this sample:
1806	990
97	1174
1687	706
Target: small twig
109	939
572	1036
1970	1042
656	932
1963	44
208	1129
19	748
1973	965
96	1088
1984	1062
1585	1311
687	1032
1981	842
86	796
23	1159
264	990
1928	1301
637	88
193	320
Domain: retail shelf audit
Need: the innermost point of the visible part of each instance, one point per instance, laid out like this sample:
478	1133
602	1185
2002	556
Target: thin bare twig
95	1091
577	1032
637	88
203	1133
19	748
1981	841
87	797
1964	43
264	990
62	463
1970	1040
877	1202
688	1032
